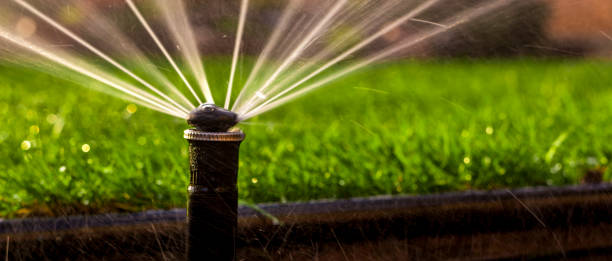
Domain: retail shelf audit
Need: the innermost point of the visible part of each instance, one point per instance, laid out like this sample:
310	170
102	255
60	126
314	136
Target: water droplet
85	148
26	145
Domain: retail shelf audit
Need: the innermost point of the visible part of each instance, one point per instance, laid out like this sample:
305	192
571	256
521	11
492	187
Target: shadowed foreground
538	223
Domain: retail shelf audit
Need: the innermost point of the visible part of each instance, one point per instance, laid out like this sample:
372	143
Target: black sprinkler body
212	118
213	195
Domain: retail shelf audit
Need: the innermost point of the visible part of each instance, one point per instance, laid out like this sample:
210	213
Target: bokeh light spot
25	27
486	161
131	109
34	129
26	145
85	148
142	141
51	118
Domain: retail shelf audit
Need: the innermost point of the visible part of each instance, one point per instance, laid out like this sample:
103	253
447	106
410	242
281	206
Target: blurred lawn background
405	127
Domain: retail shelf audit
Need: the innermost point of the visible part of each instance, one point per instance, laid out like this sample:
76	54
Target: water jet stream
287	14
325	21
176	17
328	52
144	98
145	24
87	45
101	28
455	21
104	30
241	21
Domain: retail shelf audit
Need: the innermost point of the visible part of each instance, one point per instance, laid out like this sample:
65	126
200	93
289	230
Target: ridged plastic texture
193	134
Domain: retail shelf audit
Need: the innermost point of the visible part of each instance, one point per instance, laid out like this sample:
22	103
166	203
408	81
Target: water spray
213	196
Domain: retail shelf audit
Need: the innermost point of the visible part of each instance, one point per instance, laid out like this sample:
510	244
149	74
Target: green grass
403	128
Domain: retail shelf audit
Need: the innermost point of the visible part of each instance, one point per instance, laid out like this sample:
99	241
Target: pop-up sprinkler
213	196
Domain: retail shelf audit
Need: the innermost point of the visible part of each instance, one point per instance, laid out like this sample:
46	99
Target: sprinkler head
212	208
212	118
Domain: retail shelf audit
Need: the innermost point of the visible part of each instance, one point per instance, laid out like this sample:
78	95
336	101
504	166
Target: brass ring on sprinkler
194	134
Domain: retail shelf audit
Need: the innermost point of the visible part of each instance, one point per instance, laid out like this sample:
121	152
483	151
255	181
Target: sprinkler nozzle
212	118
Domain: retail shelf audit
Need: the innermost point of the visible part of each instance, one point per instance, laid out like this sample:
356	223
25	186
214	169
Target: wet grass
401	128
